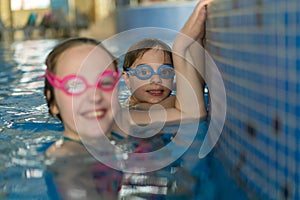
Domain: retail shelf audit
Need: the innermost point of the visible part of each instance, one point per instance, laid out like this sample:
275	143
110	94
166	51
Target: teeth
155	91
95	114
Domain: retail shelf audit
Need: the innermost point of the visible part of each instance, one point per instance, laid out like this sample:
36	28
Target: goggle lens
167	72
74	86
144	72
107	82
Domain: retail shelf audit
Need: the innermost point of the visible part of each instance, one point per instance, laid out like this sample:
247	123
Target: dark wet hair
54	55
138	49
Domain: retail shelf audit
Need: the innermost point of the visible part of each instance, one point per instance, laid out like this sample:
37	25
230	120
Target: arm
189	62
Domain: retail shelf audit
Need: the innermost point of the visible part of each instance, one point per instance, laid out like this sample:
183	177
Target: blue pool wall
171	15
256	46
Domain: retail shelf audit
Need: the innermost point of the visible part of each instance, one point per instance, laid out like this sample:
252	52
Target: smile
96	114
155	92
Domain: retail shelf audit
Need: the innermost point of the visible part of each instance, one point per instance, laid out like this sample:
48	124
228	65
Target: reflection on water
22	119
81	176
30	57
24	134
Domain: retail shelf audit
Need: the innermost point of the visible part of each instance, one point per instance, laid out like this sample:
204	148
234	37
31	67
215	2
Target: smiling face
154	89
91	111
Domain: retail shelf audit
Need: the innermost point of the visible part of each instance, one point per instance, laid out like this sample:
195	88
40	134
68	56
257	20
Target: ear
53	106
126	80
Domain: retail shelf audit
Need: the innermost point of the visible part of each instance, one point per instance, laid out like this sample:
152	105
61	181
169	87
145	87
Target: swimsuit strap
72	140
117	135
113	134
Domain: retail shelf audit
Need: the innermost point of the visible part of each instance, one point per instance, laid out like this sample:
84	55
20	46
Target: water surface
25	128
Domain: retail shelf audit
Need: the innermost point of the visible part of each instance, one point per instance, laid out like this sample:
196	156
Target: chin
156	101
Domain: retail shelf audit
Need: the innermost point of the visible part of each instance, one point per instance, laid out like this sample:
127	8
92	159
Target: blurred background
31	19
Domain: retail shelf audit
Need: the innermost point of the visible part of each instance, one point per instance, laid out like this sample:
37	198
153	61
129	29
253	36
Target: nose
95	95
155	79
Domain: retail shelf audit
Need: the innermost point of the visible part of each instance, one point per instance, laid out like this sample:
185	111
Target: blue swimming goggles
144	72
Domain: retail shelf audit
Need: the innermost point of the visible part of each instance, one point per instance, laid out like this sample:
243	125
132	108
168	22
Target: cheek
64	105
63	101
136	84
168	84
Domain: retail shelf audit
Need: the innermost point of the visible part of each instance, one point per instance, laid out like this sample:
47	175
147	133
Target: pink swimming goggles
77	85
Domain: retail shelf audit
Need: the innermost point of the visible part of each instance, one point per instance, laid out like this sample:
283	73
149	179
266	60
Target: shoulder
62	148
169	101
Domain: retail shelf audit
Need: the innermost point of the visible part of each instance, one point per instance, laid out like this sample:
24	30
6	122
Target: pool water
25	129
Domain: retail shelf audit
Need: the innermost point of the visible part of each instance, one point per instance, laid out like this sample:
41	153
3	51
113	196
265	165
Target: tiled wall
256	46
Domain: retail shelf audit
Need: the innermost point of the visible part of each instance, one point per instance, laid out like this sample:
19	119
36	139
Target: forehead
84	59
154	56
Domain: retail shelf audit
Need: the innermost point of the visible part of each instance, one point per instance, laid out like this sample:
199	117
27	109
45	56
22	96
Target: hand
194	28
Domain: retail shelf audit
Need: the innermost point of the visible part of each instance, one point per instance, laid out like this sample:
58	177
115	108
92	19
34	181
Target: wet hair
138	49
53	56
